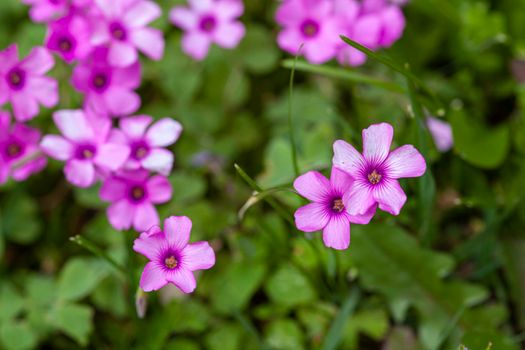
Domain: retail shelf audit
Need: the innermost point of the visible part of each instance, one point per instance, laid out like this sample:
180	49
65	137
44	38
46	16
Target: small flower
47	10
23	82
107	89
375	172
207	22
84	147
311	23
146	142
20	155
123	27
172	258
391	17
69	37
133	195
441	132
328	212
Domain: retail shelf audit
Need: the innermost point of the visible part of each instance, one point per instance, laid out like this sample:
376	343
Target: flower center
100	81
16	78
117	31
65	45
171	262
86	152
338	205
310	28
139	151
208	24
14	150
137	193
374	177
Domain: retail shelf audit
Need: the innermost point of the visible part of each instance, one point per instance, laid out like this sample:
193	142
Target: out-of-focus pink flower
23	83
147	142
328	212
107	89
172	258
133	195
69	37
19	152
377	170
312	24
391	17
84	147
441	132
123	26
47	10
207	22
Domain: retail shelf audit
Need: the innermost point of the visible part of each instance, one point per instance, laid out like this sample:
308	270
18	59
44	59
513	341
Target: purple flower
69	37
84	147
47	10
391	17
172	258
376	171
123	27
146	142
312	23
23	82
19	152
328	212
133	195
107	89
441	132
207	22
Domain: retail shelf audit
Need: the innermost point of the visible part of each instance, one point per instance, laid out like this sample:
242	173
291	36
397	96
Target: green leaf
477	144
284	335
225	337
17	335
182	344
373	323
257	50
19	221
187	187
11	303
289	287
74	320
79	277
335	333
402	338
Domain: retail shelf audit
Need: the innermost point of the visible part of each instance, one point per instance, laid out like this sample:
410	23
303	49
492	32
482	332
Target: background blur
406	283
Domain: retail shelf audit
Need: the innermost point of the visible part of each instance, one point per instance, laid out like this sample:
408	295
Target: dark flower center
65	44
139	151
171	262
374	177
310	28
86	152
137	193
208	23
338	205
16	78
100	81
14	150
117	31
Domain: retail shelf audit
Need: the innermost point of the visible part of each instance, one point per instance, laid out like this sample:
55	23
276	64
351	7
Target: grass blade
333	337
90	246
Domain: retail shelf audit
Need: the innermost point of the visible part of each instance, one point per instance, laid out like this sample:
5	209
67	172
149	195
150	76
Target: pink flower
69	37
327	212
123	27
312	23
23	82
146	142
19	152
47	10
441	132
391	17
172	258
377	170
207	22
84	147
133	196
107	89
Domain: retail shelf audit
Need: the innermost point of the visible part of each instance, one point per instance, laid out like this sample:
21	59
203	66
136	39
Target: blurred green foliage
404	284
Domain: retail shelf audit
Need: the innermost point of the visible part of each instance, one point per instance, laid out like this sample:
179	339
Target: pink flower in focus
107	89
312	23
47	10
207	22
133	196
84	147
23	82
19	152
328	212
147	142
441	132
172	258
69	37
123	27
377	170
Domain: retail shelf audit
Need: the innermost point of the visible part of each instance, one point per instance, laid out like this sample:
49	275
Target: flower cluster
359	184
315	25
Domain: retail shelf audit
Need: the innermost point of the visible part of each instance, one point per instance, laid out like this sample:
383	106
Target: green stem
293	145
90	246
335	333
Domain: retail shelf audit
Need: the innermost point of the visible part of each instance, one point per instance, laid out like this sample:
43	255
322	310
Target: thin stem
293	144
90	246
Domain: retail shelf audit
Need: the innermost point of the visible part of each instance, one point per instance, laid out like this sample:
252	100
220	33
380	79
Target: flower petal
359	199
45	90
228	35
198	256
183	279
135	127
111	155
25	106
159	189
122	54
113	189
365	218
122	102
145	217
313	186
150	41
39	61
80	173
196	45
390	196
57	147
159	160
177	230
405	161
163	133
311	217
153	277
183	17
229	9
141	13
377	139
441	133
348	159
120	215
340	181
150	243
74	125
336	234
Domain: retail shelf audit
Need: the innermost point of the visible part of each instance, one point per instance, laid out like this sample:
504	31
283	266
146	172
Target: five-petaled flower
172	258
377	170
328	211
